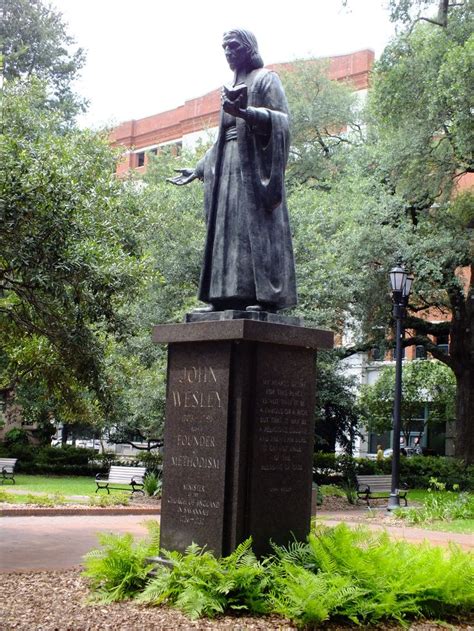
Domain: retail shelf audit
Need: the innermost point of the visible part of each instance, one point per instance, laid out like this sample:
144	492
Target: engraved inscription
195	439
284	420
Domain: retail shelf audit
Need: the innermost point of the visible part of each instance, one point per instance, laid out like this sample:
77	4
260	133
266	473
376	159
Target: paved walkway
34	543
51	543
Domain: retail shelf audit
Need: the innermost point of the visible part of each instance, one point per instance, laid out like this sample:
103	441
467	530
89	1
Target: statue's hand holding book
234	99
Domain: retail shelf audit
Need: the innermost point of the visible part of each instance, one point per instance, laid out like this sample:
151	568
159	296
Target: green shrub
16	436
356	576
366	577
4	496
118	570
331	490
56	499
64	455
201	585
440	505
65	460
417	472
152	460
152	485
115	499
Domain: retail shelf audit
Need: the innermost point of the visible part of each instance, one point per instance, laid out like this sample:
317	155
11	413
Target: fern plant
201	585
118	569
339	574
380	579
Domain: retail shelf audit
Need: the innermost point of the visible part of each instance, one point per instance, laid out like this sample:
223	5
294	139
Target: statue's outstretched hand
187	175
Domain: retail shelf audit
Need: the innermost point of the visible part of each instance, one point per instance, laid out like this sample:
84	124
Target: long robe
248	255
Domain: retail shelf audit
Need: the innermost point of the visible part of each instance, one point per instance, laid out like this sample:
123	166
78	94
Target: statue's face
235	52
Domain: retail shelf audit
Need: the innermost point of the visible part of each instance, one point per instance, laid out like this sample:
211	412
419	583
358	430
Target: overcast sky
147	56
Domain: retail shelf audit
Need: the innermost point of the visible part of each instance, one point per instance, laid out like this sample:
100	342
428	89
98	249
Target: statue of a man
248	257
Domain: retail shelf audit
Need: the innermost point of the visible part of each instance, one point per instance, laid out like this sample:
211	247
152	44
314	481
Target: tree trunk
464	445
462	355
64	433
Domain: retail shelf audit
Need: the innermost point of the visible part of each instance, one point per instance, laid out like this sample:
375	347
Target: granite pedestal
239	431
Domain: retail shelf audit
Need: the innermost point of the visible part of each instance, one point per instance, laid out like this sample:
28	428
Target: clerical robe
248	256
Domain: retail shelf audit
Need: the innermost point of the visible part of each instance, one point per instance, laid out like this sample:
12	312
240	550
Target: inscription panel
192	507
281	445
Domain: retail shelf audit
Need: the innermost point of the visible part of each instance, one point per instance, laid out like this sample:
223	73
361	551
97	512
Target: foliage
445	506
415	472
57	499
440	508
119	569
35	43
331	490
335	419
201	585
323	127
340	574
422	138
119	499
68	262
4	496
66	460
152	460
418	472
424	383
152	484
16	436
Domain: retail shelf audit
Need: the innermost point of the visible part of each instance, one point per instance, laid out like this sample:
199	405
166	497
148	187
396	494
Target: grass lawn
74	485
463	526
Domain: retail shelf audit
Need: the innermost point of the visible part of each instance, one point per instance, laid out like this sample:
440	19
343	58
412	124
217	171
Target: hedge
65	460
415	472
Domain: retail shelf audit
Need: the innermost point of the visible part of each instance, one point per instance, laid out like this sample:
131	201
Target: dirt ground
56	601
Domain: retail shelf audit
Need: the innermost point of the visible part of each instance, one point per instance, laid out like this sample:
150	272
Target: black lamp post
401	283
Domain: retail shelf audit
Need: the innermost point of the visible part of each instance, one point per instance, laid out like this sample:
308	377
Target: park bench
376	487
122	479
7	469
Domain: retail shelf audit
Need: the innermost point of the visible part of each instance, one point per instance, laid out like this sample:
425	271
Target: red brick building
185	125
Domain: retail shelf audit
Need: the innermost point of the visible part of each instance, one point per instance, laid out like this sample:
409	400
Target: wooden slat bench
7	469
376	487
122	479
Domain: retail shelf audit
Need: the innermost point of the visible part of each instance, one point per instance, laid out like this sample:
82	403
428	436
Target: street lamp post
401	283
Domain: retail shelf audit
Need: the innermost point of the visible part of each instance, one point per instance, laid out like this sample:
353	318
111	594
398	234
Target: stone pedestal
239	432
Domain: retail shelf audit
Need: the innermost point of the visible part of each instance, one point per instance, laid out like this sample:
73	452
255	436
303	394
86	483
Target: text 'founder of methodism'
248	257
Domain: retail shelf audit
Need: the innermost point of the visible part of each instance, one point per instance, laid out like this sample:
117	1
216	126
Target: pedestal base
239	431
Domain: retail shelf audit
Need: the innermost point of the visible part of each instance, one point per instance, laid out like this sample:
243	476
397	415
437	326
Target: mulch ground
56	601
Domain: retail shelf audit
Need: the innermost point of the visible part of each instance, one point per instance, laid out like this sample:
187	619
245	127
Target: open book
235	92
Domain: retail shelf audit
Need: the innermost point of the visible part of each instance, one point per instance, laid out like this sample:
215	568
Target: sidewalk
53	543
60	542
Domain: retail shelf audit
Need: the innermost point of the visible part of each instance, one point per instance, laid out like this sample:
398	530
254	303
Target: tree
420	114
396	193
36	44
428	384
325	123
336	419
68	259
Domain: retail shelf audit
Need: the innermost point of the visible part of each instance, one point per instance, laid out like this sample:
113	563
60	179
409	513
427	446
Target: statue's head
241	50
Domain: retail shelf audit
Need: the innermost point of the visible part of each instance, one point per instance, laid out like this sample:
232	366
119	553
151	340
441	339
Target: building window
420	352
393	354
442	342
376	354
141	159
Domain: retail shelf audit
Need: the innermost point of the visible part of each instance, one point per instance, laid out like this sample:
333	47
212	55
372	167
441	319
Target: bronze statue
248	257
